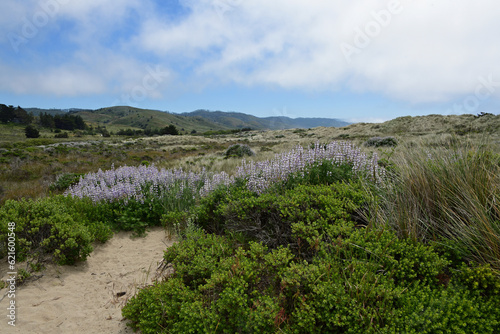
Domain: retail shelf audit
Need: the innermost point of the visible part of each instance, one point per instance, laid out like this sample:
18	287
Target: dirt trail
85	298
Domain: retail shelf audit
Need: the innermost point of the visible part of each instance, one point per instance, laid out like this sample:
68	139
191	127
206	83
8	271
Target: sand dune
87	298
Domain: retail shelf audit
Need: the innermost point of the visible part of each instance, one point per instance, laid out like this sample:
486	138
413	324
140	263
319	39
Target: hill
429	124
114	118
241	120
121	117
53	112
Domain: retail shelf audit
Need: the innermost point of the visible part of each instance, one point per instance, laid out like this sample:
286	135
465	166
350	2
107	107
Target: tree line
168	130
62	122
10	114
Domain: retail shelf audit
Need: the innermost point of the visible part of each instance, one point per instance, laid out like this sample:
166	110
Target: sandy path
83	298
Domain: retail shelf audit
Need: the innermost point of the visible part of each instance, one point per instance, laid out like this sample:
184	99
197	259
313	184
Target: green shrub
135	215
209	213
324	172
64	181
364	281
304	213
31	131
239	151
427	310
55	227
381	141
61	135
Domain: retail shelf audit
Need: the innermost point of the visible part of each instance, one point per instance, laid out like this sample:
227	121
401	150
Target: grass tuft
444	194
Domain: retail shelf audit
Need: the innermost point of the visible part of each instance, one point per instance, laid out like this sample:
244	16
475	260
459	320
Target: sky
359	61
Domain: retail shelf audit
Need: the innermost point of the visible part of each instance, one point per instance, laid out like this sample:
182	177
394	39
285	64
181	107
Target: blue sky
363	60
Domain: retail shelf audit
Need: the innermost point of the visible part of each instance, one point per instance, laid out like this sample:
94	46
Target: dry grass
447	193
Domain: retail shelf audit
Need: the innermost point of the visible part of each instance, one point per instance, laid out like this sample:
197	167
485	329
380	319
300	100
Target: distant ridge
121	117
241	120
53	111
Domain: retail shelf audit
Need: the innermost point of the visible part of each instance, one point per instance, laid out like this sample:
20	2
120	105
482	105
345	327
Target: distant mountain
240	120
122	117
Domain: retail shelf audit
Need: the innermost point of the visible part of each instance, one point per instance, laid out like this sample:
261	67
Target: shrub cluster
64	181
238	151
299	264
296	259
57	228
140	196
381	141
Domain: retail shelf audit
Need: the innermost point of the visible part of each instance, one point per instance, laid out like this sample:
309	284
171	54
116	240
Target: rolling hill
121	117
240	120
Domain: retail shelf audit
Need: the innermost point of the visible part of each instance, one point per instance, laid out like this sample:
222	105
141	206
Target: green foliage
67	122
381	141
64	181
428	310
304	213
360	281
169	130
324	172
16	115
61	135
209	213
296	259
137	215
31	132
238	151
56	227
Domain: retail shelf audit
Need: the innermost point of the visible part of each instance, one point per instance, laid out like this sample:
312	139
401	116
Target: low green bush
239	151
364	281
137	215
296	262
381	141
320	173
304	213
59	228
61	135
64	181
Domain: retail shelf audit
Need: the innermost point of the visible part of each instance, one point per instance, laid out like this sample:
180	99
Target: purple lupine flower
141	182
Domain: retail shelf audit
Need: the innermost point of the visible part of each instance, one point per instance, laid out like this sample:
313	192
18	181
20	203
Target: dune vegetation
369	228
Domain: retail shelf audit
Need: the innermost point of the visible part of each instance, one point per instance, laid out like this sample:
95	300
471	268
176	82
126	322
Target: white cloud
426	51
58	81
429	51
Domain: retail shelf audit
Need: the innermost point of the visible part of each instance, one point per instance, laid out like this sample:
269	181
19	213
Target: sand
85	298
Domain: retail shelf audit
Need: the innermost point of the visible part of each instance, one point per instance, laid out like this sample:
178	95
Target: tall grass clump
442	195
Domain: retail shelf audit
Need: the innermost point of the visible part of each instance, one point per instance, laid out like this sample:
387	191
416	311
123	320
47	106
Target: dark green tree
7	113
170	130
31	132
47	120
22	116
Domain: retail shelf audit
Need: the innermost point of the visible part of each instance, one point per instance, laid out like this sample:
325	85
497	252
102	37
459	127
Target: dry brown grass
34	168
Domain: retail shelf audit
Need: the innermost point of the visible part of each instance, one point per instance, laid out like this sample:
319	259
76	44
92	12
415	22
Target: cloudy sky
362	60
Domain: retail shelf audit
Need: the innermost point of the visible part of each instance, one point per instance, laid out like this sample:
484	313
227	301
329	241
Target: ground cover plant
56	228
293	258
